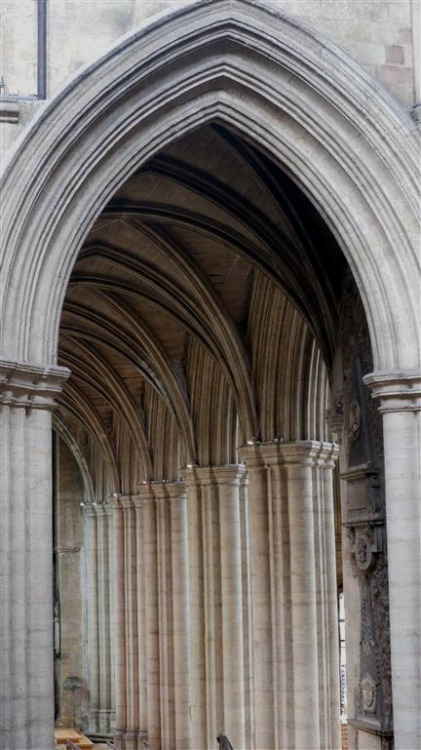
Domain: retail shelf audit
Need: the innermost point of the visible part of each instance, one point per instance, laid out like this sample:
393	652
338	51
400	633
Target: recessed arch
222	340
291	100
86	413
161	375
281	86
99	375
65	433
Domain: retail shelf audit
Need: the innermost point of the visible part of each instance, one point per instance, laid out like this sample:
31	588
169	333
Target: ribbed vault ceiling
192	314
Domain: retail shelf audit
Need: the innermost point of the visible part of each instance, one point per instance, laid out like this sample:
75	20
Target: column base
100	722
131	740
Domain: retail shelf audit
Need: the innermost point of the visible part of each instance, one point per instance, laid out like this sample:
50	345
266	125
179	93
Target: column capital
278	453
252	455
168	490
228	474
143	496
119	501
189	476
205	475
126	502
23	384
396	390
328	455
95	508
300	452
175	489
114	503
271	453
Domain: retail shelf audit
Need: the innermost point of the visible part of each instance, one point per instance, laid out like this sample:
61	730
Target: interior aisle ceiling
201	287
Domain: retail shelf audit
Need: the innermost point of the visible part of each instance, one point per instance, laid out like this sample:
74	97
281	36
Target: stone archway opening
202	327
296	102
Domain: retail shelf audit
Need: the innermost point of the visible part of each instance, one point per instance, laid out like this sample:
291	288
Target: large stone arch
341	139
296	95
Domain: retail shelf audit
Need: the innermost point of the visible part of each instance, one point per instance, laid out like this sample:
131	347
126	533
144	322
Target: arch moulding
295	95
349	147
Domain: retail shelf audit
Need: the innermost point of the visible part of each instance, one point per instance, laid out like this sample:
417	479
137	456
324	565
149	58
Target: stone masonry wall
381	35
364	548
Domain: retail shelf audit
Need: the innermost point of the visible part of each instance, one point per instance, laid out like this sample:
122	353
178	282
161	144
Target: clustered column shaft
232	577
26	617
26	612
262	626
399	396
100	614
120	630
217	637
152	640
181	608
295	648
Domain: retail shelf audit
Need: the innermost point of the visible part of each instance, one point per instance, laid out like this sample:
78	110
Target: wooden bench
63	736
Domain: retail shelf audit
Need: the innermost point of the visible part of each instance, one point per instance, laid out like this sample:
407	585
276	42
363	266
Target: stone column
130	592
196	612
263	656
228	479
280	584
298	459
91	595
97	581
216	604
152	619
139	504
212	604
26	621
399	395
329	687
138	676
69	494
112	610
247	611
181	609
294	588
166	645
120	630
102	518
131	529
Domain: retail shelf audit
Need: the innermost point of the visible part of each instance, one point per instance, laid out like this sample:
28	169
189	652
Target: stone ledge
9	110
396	391
28	385
370	728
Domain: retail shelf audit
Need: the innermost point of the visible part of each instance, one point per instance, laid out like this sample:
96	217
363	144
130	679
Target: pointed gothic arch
302	102
290	91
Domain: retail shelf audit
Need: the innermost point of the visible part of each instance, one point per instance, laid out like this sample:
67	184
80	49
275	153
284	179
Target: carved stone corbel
335	418
366	543
368	694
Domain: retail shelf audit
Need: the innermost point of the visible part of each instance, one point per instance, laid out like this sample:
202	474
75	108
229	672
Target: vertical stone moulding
181	606
196	615
27	400
293	484
399	398
228	482
119	602
263	656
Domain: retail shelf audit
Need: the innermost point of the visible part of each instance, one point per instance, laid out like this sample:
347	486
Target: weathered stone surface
195	198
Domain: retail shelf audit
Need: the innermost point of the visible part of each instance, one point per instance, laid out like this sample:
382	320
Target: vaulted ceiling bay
200	326
201	314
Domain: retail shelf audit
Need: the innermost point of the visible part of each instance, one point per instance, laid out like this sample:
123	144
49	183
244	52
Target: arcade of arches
220	471
188	358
